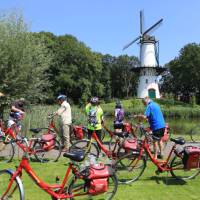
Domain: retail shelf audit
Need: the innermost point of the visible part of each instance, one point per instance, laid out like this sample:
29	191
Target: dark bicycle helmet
118	105
94	100
61	97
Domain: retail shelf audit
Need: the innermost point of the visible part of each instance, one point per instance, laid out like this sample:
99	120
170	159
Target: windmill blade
129	44
152	27
141	21
157	53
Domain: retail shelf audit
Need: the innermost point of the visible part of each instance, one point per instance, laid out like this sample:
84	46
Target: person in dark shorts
119	117
156	121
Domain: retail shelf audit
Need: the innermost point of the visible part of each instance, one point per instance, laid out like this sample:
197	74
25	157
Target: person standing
156	121
119	117
17	112
66	119
95	117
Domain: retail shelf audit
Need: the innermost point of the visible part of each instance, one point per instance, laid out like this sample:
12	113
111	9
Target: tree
23	60
124	81
185	73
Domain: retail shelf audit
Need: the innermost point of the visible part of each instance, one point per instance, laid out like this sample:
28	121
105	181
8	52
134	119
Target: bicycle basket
78	132
49	141
191	157
130	144
127	127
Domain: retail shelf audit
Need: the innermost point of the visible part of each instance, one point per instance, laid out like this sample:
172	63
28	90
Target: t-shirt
95	115
155	116
65	113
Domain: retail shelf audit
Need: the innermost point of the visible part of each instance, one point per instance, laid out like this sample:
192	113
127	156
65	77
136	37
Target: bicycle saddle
178	140
75	155
35	130
121	134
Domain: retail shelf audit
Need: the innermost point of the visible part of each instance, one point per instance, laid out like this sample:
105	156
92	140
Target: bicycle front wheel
6	151
86	146
195	134
44	155
15	192
80	186
179	172
130	167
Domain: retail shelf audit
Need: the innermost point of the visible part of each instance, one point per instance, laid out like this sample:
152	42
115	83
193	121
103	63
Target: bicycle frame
162	165
55	190
110	154
11	133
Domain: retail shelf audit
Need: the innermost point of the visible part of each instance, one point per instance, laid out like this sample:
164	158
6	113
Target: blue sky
107	25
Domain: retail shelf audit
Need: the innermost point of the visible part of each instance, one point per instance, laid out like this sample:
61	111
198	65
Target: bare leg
160	144
155	146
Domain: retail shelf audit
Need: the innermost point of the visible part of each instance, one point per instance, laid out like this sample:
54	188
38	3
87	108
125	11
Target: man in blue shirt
156	121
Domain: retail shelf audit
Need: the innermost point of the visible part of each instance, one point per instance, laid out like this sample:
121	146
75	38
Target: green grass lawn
149	187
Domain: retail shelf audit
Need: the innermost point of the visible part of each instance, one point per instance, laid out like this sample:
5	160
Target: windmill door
152	93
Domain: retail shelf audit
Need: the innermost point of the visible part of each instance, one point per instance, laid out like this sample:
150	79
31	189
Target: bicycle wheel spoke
15	192
130	168
179	171
6	151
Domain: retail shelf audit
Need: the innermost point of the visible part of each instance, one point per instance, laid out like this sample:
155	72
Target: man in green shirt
95	117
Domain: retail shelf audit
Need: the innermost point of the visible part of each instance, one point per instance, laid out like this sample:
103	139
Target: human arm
14	109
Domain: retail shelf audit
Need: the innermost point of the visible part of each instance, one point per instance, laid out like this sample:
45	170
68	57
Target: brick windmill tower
149	68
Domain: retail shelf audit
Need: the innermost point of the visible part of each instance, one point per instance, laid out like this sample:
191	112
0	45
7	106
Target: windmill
149	61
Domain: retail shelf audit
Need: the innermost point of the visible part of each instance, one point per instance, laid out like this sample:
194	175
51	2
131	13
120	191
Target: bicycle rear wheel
80	186
84	145
195	134
16	191
179	172
6	151
52	154
129	168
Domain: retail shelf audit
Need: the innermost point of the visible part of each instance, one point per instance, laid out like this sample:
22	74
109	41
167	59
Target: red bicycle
121	154
99	181
77	132
43	148
176	163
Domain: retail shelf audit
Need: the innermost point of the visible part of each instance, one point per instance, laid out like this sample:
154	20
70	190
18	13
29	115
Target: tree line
39	66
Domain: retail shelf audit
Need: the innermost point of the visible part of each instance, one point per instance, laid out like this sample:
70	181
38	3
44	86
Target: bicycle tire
180	172
16	191
42	155
195	134
78	186
129	168
6	151
83	145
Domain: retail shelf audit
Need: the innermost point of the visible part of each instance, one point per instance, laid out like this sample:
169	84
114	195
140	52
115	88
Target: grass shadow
166	180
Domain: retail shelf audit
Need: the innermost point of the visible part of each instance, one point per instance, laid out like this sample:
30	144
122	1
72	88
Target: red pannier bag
127	127
78	131
191	157
49	141
98	186
130	144
98	176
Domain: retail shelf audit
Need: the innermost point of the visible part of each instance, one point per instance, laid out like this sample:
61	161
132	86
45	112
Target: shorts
158	134
118	126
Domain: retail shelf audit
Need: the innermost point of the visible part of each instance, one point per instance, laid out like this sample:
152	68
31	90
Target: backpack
120	115
92	117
